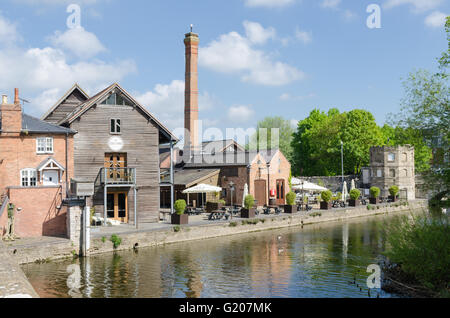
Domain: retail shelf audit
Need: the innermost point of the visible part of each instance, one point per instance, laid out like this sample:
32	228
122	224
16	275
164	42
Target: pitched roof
67	94
190	177
82	108
32	124
215	146
222	159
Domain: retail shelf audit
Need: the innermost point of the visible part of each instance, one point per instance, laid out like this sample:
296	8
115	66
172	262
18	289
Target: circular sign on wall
115	143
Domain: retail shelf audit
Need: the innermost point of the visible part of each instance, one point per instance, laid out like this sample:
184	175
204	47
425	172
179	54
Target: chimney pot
16	96
4	99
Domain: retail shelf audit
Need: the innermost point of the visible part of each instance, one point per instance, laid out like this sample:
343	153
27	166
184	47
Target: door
280	192
117	206
116	162
260	192
50	177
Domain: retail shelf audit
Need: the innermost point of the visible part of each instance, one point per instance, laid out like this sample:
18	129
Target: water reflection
317	261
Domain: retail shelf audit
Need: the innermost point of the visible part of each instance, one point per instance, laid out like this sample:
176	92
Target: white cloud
268	3
8	32
330	3
240	113
418	5
44	74
257	34
436	19
166	101
288	97
304	36
234	54
82	43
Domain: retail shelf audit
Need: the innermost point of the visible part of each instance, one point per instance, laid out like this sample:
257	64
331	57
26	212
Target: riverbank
24	252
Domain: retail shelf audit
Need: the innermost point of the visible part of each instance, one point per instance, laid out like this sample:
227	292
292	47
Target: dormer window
44	145
115	126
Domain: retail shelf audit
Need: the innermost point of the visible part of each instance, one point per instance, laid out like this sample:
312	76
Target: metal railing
125	176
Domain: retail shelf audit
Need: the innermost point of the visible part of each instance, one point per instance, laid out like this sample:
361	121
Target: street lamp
342	160
231	184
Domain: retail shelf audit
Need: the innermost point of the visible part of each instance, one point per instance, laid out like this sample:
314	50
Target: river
320	260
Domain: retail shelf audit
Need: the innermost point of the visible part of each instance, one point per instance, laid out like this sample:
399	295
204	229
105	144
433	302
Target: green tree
285	136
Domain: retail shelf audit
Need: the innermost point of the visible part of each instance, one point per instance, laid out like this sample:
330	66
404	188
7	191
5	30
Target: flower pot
325	205
392	198
353	203
290	209
374	200
248	214
180	219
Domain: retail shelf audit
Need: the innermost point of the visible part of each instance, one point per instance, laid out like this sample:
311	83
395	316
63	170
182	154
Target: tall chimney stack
11	116
191	139
16	96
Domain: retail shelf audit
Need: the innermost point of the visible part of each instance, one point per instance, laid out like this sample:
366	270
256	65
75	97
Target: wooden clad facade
67	104
136	140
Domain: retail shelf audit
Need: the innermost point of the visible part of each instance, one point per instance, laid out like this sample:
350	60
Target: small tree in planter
326	196
179	217
354	197
374	195
248	212
291	207
394	192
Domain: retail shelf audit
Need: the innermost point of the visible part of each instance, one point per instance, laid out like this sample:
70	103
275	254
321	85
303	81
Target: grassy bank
418	256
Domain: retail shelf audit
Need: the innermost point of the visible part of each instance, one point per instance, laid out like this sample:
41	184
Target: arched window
28	177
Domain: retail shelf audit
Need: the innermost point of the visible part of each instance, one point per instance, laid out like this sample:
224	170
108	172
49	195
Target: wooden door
115	162
117	206
280	192
260	192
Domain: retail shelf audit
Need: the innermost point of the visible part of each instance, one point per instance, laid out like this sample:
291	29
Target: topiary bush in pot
374	195
326	196
248	211
290	207
179	217
394	190
354	198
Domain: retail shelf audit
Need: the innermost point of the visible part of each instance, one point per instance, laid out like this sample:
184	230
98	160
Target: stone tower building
393	166
191	138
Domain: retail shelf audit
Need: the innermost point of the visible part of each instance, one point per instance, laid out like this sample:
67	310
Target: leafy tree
285	136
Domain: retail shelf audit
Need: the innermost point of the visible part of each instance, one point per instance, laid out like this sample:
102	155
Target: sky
257	58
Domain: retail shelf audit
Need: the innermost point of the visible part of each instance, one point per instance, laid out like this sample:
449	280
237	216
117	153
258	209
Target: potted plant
374	195
326	196
179	217
290	207
248	212
394	192
354	197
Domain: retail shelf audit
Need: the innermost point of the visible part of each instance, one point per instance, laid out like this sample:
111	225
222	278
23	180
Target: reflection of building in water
275	258
344	242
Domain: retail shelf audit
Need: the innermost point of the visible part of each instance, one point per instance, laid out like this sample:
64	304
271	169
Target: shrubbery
249	202
326	196
290	198
374	192
394	190
354	194
180	207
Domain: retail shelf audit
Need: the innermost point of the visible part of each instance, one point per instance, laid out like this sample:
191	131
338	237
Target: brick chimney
11	115
191	139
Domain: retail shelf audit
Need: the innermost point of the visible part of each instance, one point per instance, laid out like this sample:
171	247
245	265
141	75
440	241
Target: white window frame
115	132
46	147
26	177
391	157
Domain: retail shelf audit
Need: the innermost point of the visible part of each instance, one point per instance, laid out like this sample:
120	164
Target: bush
354	194
116	240
421	247
180	206
249	202
374	192
394	190
176	228
326	196
290	198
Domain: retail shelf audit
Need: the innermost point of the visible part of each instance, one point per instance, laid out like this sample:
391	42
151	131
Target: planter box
374	200
393	199
353	203
325	205
248	214
290	209
180	219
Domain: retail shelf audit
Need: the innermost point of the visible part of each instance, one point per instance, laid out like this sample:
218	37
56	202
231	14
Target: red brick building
36	164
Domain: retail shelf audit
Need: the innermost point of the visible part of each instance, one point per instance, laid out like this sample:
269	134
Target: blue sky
257	57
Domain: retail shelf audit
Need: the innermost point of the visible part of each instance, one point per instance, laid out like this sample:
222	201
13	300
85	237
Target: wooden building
117	148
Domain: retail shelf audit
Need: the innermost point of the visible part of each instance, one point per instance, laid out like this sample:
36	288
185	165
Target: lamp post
342	160
231	184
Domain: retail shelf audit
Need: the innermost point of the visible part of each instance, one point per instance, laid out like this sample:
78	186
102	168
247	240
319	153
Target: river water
320	260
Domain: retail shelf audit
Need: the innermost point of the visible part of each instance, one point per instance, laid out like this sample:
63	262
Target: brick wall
37	212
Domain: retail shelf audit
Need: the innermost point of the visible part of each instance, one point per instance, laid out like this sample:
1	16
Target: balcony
117	176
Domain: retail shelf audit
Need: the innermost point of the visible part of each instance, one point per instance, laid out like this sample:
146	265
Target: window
44	145
29	177
115	126
117	99
391	157
379	173
392	173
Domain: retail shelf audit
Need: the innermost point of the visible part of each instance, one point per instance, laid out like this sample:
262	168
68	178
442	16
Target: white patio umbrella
352	185
344	191
245	194
309	186
202	188
296	181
